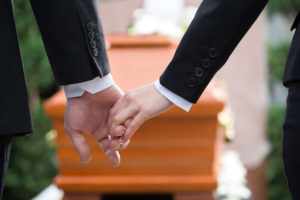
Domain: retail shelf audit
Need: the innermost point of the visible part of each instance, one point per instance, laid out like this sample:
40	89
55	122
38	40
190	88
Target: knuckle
117	120
119	131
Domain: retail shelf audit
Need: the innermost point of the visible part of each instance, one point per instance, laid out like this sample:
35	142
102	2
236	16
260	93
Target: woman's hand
130	111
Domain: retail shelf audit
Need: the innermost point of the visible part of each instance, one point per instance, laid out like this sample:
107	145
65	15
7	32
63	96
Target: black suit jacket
216	30
74	43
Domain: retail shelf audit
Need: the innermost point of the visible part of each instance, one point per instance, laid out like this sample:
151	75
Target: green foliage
284	6
31	167
277	58
277	55
274	173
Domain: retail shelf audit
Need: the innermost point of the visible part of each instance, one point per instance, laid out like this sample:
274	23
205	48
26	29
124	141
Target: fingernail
120	140
116	159
86	161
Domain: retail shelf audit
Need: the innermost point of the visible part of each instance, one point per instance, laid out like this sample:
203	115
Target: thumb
132	126
80	144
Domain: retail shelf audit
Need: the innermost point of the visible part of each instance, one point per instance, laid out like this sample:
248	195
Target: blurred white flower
232	178
188	14
168	17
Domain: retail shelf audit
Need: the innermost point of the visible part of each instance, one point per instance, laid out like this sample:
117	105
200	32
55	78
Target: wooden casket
174	153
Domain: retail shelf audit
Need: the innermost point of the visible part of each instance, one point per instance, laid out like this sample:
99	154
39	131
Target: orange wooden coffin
175	152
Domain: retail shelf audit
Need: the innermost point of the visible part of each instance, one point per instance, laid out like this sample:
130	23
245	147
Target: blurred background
261	55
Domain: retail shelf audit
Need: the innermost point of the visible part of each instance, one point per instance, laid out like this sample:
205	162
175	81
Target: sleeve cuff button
199	72
95	52
205	63
212	52
91	35
90	26
192	82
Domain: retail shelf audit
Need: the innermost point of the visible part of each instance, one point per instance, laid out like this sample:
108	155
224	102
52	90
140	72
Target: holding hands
89	114
110	118
132	110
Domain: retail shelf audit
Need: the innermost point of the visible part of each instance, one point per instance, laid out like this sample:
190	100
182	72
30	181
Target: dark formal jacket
74	43
216	30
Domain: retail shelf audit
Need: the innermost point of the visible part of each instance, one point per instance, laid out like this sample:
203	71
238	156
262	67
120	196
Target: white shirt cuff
93	86
174	98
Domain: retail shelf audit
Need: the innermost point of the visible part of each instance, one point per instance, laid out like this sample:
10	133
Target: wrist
103	96
174	98
92	86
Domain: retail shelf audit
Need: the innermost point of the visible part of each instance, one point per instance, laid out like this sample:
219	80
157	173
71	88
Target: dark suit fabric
292	69
216	30
74	42
5	146
291	139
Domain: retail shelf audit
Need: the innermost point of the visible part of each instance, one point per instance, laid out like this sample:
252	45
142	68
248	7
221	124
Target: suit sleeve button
95	52
205	63
199	72
212	52
90	26
93	43
91	35
192	82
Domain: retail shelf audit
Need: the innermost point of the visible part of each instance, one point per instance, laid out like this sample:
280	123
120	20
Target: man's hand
132	110
89	114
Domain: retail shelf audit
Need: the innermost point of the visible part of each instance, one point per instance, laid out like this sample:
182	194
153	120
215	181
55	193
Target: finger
125	114
104	143
124	146
127	122
115	144
118	131
114	110
121	129
122	117
133	126
80	144
113	156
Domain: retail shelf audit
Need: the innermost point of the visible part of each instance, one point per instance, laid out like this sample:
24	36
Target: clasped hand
110	118
131	111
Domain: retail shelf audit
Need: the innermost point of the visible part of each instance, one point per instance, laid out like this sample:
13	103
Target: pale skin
89	114
107	114
132	110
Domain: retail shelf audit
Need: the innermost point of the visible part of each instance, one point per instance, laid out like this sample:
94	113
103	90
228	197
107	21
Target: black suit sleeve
73	38
216	30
